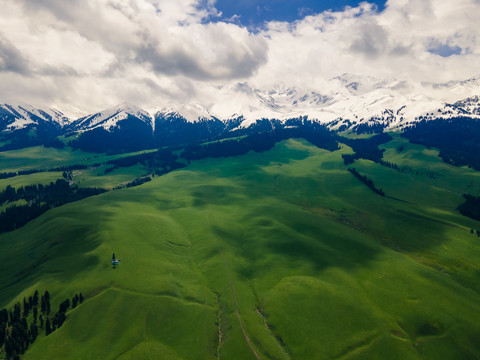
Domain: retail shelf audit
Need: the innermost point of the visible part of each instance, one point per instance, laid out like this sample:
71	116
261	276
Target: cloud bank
85	55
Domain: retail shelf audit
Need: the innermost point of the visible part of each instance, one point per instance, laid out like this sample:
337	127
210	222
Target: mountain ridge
348	102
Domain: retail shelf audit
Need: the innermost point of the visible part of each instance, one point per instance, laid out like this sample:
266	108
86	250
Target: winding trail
247	338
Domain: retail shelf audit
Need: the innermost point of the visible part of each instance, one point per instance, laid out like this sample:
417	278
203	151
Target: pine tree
43	305
81	298
3	333
3	316
35	298
48	329
64	306
17	311
8	348
59	319
25	308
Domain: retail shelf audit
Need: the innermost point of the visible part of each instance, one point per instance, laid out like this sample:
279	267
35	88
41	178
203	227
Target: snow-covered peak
110	118
358	99
19	116
346	99
189	112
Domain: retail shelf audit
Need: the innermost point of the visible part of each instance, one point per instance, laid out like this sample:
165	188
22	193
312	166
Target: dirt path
247	338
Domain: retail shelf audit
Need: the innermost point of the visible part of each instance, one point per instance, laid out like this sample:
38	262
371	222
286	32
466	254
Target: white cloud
91	54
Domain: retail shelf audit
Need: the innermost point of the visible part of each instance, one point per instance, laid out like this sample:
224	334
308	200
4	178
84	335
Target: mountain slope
360	103
23	126
16	117
120	129
112	118
284	248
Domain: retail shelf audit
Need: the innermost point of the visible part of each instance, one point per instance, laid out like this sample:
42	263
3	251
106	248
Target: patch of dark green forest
364	179
317	134
160	162
20	326
458	139
170	130
45	135
66	168
40	198
366	149
137	182
471	207
369	128
174	131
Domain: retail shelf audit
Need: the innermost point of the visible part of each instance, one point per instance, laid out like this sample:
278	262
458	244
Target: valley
239	180
277	254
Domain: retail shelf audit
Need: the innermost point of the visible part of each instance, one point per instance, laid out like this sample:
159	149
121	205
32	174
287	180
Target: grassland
275	255
41	158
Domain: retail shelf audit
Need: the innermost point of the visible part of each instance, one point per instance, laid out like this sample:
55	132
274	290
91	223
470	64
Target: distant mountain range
348	102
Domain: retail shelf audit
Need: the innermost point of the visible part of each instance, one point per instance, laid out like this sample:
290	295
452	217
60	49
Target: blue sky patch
254	13
445	50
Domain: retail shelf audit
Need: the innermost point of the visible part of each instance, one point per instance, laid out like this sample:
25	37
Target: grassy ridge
280	255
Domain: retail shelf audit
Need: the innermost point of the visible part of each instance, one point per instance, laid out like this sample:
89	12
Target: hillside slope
275	255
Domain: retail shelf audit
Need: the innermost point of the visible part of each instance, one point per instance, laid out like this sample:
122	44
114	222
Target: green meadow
41	159
275	255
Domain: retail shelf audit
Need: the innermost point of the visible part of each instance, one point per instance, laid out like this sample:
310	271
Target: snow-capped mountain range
109	119
346	100
14	117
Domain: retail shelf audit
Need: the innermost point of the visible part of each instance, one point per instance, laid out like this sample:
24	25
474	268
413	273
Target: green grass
96	177
337	271
44	178
39	157
47	158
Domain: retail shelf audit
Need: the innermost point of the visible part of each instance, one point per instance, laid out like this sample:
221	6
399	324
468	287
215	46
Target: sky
82	56
254	14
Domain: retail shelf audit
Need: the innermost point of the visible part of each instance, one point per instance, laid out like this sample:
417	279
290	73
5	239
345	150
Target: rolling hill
281	254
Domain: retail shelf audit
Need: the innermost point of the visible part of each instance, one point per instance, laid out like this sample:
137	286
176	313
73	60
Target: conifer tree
35	298
8	348
3	333
48	329
25	308
43	305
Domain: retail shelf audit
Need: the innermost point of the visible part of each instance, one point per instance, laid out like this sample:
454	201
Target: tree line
365	148
66	168
471	207
317	134
20	326
137	182
458	139
40	199
163	159
364	179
